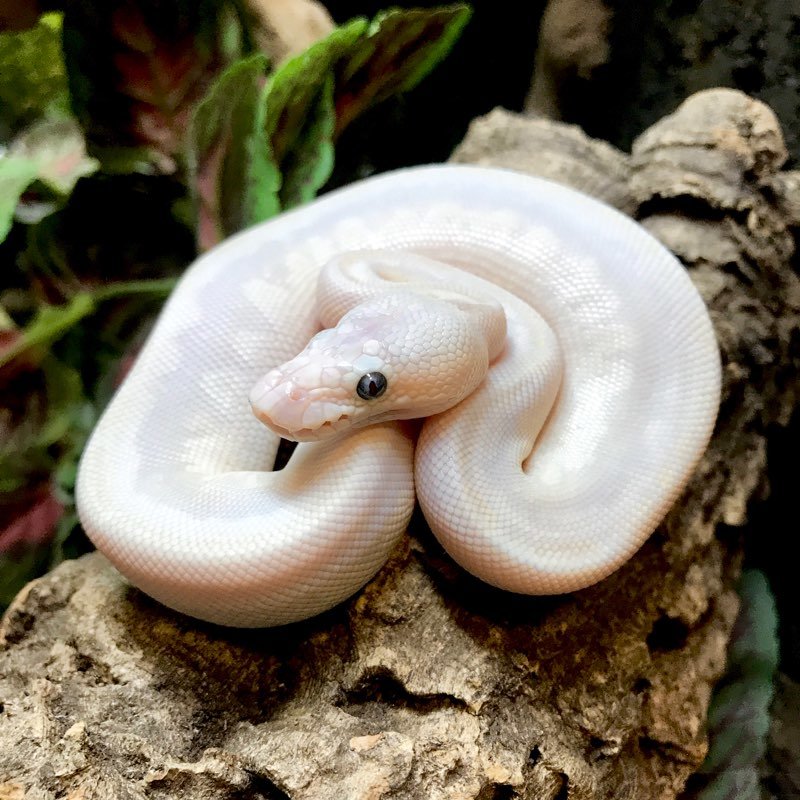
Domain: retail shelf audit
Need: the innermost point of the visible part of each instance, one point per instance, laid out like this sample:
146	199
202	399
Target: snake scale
564	362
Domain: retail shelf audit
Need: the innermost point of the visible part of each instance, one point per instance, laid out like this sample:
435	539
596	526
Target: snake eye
371	385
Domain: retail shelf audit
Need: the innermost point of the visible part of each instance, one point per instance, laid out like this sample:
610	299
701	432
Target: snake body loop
591	387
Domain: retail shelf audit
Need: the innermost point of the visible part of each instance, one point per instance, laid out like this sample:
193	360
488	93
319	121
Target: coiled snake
565	362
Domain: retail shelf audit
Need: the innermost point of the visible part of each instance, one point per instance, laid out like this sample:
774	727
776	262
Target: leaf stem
52	322
158	287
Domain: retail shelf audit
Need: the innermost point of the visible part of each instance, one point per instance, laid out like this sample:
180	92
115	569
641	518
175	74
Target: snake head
399	356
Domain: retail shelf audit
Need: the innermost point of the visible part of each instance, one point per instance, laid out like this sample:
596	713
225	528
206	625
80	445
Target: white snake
552	470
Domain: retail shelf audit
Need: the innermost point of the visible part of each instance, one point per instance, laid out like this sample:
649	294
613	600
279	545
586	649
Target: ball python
564	363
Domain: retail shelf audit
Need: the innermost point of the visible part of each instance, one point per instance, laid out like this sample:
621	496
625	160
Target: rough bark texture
428	684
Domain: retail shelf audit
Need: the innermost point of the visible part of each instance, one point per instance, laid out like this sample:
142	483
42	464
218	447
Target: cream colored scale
567	361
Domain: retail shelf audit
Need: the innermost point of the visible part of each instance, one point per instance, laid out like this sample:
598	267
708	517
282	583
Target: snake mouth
325	430
299	414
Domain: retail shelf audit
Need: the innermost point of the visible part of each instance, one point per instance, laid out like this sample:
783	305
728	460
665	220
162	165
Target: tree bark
429	684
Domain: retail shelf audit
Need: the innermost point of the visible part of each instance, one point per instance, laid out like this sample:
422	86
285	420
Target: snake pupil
371	385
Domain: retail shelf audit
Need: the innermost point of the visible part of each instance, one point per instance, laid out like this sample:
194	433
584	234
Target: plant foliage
738	719
133	134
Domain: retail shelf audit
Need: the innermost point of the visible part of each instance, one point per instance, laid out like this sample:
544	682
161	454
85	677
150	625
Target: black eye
371	385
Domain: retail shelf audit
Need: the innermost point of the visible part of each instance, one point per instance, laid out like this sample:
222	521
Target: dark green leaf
746	697
116	160
309	164
297	120
64	392
241	179
228	160
740	742
16	174
62	548
742	784
402	46
33	83
51	151
738	719
57	147
50	324
754	640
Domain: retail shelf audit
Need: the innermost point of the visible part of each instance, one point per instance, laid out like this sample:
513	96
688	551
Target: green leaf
57	147
51	151
370	62
401	48
738	718
64	391
740	728
732	703
115	160
52	404
734	785
228	161
61	548
254	154
298	120
50	324
298	117
32	76
754	641
308	165
16	174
